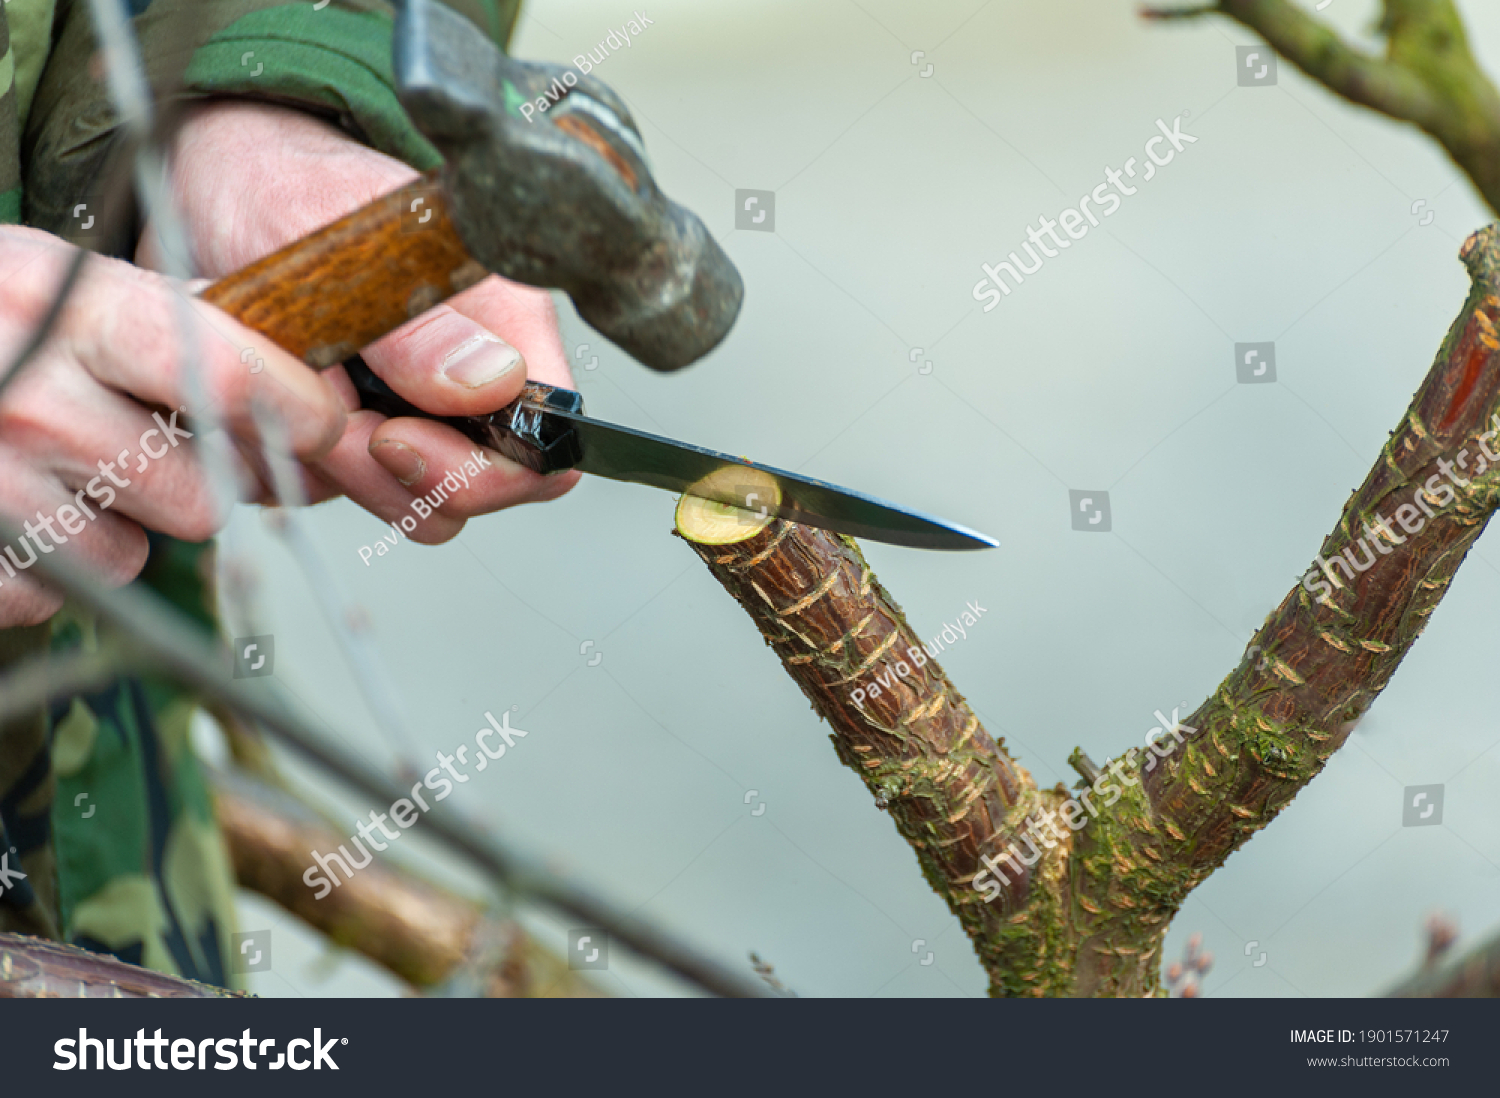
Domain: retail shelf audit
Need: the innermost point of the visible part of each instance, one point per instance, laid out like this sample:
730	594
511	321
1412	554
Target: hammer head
547	182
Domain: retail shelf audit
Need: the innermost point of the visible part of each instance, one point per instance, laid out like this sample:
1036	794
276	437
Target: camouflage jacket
107	836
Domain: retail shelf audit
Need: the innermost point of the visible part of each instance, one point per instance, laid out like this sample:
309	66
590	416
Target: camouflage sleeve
106	821
28	892
329	57
25	34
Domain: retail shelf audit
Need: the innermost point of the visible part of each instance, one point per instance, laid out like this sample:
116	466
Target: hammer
559	198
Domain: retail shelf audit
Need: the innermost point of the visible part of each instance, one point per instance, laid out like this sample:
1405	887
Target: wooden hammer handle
331	293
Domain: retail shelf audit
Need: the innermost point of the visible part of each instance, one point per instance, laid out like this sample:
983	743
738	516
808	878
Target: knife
545	430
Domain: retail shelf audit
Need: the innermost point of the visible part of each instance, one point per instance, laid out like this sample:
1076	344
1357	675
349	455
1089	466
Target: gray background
1111	369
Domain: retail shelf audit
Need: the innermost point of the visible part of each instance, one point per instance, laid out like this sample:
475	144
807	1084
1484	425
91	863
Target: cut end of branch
705	514
1481	254
1087	768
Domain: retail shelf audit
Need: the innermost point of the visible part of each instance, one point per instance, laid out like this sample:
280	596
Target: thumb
449	365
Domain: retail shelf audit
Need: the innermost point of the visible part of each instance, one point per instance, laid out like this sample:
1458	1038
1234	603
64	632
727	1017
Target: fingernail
479	361
400	460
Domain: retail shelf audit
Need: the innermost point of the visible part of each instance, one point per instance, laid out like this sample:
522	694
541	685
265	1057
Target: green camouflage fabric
25	26
107	834
141	871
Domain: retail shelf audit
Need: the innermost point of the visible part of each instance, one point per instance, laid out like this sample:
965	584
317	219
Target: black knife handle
522	431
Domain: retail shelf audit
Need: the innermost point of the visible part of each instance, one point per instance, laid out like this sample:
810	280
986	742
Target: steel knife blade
546	430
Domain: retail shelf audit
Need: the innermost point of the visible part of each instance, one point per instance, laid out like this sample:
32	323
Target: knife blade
545	430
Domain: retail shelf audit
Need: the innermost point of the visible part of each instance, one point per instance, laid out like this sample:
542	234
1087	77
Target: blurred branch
1471	975
419	931
30	685
346	624
177	649
149	134
34	968
1428	77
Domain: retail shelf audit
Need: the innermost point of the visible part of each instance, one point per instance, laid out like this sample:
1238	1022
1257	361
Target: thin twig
1428	76
364	658
1191	12
43	677
150	136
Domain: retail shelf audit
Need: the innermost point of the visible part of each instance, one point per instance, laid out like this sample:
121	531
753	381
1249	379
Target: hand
81	462
251	178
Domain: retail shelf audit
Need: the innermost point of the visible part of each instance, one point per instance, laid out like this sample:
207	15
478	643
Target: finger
446	363
527	319
349	467
24	601
421	454
458	481
140	350
51	520
111	446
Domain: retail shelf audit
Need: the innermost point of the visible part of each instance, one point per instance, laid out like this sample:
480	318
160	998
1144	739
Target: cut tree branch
1428	77
953	791
1272	724
1068	895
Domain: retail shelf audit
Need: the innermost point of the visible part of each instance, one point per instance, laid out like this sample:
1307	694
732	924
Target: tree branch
953	791
34	968
1080	891
422	933
1429	76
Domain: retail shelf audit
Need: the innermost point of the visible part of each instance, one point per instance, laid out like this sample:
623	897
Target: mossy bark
952	790
1088	917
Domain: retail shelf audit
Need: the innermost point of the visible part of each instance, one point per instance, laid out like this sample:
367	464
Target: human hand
251	178
83	459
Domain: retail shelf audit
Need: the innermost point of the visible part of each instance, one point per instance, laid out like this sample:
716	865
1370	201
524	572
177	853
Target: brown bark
420	932
34	968
1088	917
952	790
